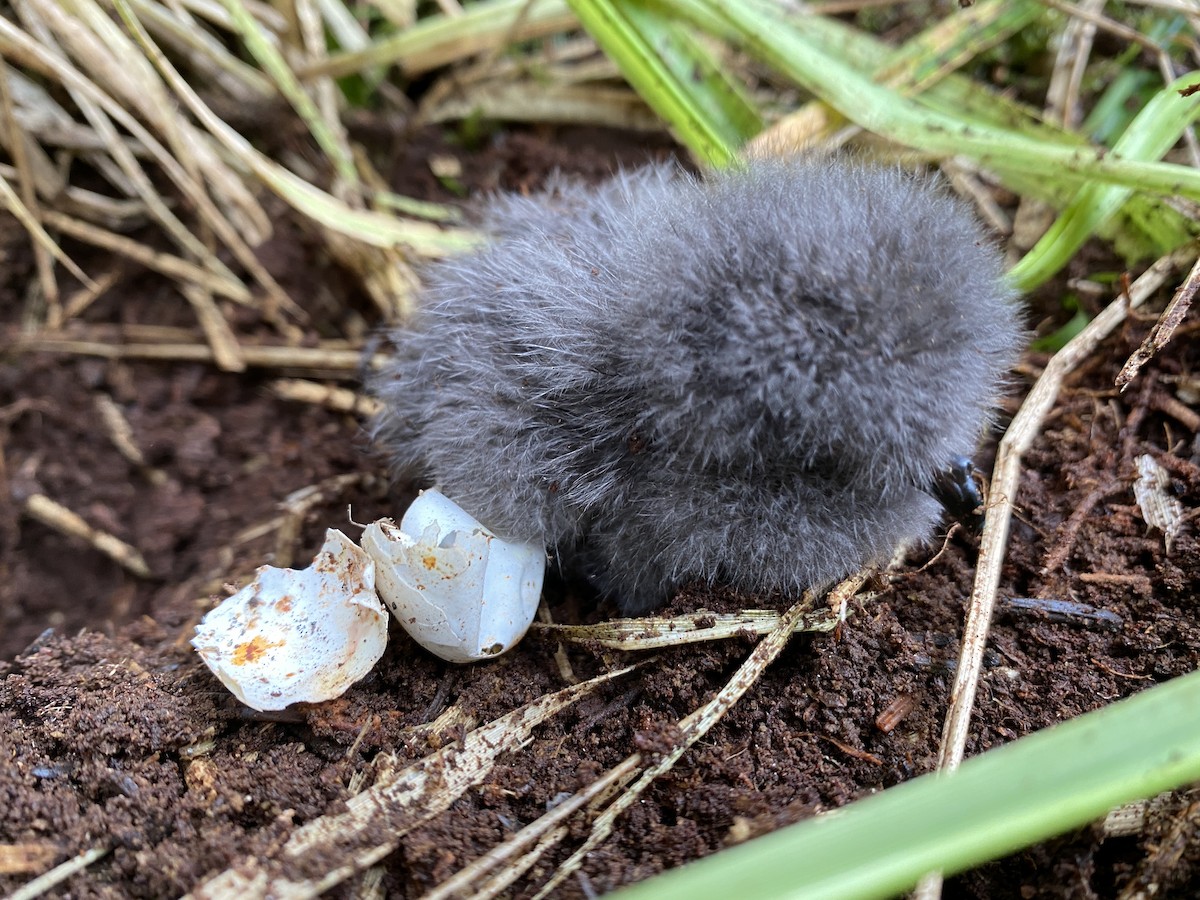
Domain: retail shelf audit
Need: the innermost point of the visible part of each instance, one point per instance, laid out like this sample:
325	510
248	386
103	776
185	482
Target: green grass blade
948	92
776	42
439	40
1153	131
273	63
650	50
1032	789
927	58
1147	227
717	96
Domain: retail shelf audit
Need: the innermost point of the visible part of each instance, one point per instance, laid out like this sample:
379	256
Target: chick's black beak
956	489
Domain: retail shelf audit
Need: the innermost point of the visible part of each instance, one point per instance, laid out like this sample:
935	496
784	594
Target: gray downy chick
754	378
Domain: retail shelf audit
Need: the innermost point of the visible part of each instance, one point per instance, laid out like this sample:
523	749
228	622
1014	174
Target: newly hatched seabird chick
754	377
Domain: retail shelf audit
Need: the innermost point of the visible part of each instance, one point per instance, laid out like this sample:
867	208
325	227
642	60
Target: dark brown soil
113	734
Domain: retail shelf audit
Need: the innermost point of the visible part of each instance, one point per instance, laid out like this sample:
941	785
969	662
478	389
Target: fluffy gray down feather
750	378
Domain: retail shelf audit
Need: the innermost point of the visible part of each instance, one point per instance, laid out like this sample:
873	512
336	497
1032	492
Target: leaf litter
120	731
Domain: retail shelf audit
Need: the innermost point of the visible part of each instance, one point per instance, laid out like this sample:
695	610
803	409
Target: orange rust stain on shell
429	561
253	650
284	604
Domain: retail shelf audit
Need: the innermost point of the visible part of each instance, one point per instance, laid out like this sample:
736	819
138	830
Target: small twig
1070	64
119	431
1105	24
964	176
1183	6
565	670
269	357
1124	579
895	712
1180	412
950	532
28	856
698	723
296	506
1163	330
457	884
852	752
1104	667
165	263
1067	611
1165	854
86	296
328	850
10	201
57	875
15	141
1065	540
227	353
1021	434
656	632
335	398
61	519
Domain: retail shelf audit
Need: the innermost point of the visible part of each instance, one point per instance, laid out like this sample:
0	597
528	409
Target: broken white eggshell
460	591
298	635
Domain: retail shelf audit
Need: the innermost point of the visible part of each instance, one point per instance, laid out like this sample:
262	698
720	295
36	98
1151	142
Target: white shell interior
458	590
298	635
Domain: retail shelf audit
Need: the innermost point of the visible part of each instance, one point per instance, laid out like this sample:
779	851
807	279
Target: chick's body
752	378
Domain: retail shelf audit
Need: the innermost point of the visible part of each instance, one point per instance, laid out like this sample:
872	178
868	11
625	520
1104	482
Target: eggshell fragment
298	635
1159	509
461	592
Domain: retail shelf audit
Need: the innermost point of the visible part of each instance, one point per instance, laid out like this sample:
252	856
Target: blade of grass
951	93
1032	789
953	41
439	40
273	63
10	201
775	42
693	67
1153	131
640	42
97	106
15	141
1146	225
114	62
369	227
533	101
240	80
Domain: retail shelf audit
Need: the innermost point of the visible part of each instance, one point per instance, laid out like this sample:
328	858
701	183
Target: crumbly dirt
113	733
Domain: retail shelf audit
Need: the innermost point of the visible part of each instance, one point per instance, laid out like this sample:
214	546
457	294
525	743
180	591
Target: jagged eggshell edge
458	590
302	635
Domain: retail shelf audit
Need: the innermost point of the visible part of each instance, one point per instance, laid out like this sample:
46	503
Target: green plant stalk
1111	111
930	56
951	93
1147	226
636	40
1034	788
277	68
704	80
778	44
1154	130
442	39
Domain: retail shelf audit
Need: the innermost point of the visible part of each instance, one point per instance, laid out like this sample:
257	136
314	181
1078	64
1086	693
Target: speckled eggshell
461	592
295	636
